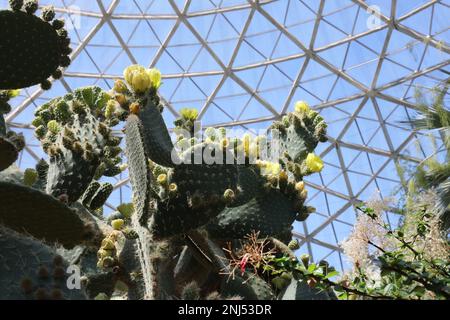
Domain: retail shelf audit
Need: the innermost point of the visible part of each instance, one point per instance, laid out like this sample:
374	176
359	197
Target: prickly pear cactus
33	48
175	195
203	208
78	139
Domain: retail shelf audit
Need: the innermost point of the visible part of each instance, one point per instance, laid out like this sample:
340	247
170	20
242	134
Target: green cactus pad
158	144
250	184
32	49
8	153
212	178
30	270
69	175
90	192
299	290
100	197
138	167
36	213
77	140
270	212
299	134
177	217
2	125
199	195
249	287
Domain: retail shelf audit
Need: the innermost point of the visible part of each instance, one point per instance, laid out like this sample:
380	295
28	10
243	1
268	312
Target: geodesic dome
243	64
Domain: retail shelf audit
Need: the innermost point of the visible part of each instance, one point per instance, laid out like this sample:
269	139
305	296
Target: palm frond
434	115
443	191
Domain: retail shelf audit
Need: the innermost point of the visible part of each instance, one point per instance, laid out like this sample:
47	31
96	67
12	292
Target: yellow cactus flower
138	78
269	168
117	224
189	114
273	168
13	93
314	163
155	77
302	107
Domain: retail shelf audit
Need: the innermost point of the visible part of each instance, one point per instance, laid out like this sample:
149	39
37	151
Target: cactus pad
77	139
8	153
30	270
32	49
157	140
299	290
38	214
138	167
253	288
271	213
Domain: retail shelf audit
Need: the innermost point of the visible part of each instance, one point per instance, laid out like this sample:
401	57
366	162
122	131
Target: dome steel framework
244	64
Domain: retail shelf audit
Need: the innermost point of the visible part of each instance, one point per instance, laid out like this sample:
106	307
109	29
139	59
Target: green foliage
435	115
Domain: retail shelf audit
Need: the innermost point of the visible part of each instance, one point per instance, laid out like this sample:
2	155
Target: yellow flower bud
135	108
121	99
155	77
120	86
225	142
117	224
53	126
314	163
107	244
173	188
229	196
299	186
13	93
301	107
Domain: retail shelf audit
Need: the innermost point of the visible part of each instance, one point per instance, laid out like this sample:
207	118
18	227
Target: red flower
243	263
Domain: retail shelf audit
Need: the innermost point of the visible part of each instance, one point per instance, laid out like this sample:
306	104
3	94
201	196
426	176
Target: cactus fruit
32	47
